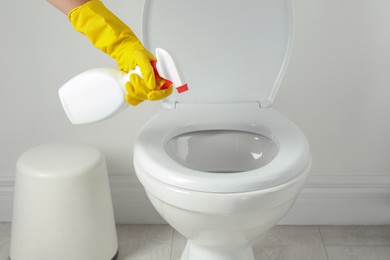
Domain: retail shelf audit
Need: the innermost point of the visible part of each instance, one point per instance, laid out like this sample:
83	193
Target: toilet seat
151	158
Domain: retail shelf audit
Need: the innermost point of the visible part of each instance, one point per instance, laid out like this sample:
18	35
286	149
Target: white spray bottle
98	94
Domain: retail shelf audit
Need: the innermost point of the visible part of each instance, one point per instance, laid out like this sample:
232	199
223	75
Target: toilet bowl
218	163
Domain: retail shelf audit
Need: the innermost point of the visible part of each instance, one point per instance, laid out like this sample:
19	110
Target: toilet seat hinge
170	105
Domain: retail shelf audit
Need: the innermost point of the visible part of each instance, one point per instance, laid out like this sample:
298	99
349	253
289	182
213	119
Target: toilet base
194	251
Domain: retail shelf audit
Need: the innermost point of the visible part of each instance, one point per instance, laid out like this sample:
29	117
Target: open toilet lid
229	51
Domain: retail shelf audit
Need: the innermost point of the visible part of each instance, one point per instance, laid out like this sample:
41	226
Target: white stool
62	205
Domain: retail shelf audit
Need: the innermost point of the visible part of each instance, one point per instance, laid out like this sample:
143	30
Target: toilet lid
229	51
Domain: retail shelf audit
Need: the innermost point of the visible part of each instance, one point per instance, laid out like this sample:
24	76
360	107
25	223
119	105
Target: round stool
62	205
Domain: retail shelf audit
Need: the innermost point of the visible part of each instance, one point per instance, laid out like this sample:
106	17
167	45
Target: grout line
323	243
172	240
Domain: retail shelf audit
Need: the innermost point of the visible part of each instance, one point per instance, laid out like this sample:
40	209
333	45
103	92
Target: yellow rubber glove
109	34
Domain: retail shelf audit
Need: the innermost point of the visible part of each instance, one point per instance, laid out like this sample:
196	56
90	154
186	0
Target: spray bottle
98	94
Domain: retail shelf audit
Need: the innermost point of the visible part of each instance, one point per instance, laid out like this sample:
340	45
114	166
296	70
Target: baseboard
324	200
342	200
131	205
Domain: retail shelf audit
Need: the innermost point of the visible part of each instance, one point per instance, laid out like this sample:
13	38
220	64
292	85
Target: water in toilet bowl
222	151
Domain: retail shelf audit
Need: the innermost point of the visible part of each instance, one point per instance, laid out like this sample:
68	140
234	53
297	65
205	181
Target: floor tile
358	252
179	242
290	243
161	242
144	242
355	235
5	235
280	243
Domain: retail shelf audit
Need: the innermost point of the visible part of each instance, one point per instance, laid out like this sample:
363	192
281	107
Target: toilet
218	163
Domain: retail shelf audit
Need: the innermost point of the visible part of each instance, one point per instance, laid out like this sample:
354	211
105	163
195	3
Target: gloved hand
109	34
138	92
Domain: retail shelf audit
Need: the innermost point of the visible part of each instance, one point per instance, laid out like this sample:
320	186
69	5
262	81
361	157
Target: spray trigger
168	69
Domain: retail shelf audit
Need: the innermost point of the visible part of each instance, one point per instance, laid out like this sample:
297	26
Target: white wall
39	52
337	87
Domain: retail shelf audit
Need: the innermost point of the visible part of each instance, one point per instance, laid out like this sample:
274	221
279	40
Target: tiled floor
160	242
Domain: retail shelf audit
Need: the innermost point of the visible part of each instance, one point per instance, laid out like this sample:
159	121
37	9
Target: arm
66	6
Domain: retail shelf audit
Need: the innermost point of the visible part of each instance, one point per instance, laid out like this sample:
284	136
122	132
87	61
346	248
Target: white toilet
218	163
